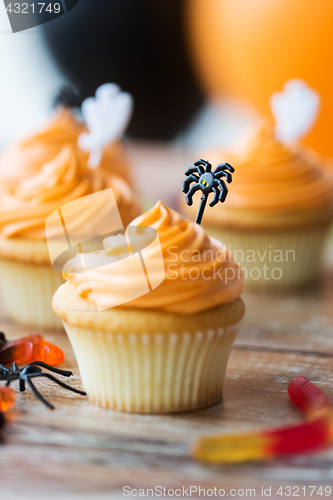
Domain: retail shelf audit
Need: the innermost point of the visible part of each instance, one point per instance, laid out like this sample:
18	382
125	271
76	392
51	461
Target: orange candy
31	348
7	399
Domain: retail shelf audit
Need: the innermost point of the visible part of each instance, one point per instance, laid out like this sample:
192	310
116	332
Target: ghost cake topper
207	181
295	110
107	116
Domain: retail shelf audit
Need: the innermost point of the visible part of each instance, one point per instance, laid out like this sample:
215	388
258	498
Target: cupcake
27	278
165	350
26	158
277	216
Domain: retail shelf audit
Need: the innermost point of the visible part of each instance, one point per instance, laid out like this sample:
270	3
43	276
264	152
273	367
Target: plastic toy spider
27	373
69	97
208	182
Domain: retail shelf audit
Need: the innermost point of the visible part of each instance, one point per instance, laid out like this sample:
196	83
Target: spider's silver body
206	180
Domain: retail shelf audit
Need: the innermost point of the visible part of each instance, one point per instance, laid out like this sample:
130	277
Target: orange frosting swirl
24	210
200	272
275	177
27	157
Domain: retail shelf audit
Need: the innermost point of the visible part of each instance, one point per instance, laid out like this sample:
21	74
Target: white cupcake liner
153	373
26	293
302	254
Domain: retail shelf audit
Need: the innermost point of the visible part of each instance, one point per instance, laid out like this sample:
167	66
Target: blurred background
201	71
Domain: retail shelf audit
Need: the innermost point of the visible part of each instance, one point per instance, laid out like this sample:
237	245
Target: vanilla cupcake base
276	259
149	361
26	293
153	372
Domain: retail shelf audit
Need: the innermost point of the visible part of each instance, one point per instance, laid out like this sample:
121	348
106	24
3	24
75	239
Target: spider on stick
207	181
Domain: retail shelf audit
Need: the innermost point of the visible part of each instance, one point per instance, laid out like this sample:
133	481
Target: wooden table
83	451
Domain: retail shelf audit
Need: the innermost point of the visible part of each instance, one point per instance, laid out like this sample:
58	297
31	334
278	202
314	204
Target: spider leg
187	182
21	385
191	192
224	190
64	373
6	374
59	382
37	394
216	196
203	163
224	166
224	170
195	170
227	175
5	368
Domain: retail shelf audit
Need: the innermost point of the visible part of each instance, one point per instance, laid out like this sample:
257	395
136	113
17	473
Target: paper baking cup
301	252
26	293
153	373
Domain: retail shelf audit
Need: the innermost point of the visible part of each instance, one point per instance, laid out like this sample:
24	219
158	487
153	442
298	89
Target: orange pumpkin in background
250	48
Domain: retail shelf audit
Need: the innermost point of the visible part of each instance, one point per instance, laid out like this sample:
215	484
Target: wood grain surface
83	451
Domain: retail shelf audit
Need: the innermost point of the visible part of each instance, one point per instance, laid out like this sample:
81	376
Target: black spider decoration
69	97
208	182
33	370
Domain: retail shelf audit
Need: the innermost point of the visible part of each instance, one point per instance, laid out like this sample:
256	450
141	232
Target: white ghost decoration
107	116
295	110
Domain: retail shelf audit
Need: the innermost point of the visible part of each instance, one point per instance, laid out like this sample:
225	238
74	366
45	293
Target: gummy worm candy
28	349
268	444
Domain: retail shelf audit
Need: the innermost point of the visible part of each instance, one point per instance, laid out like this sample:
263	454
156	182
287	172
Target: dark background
141	46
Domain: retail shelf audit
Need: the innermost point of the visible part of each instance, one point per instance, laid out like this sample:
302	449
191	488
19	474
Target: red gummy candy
307	396
263	445
298	438
31	348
